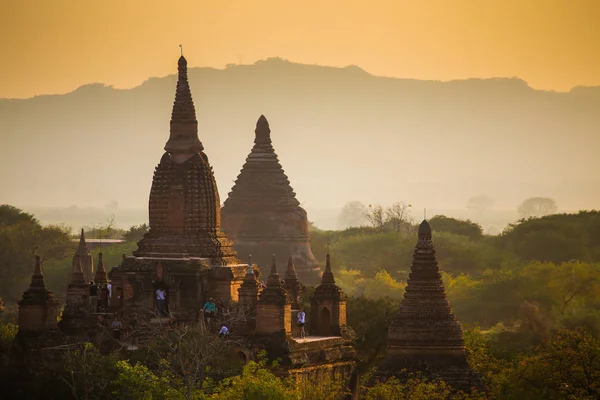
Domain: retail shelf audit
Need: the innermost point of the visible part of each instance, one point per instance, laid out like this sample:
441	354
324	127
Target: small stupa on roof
262	215
75	317
273	308
101	277
425	336
293	286
328	306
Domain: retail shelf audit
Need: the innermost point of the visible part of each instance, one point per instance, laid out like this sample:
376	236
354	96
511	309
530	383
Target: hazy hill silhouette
341	134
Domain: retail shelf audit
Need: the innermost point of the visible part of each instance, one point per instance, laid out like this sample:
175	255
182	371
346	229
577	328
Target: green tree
397	216
537	207
370	320
137	382
87	373
565	366
415	388
136	233
257	382
11	215
441	223
21	238
189	355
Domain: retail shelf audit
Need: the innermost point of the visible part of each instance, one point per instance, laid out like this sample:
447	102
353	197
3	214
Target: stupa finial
291	269
262	131
183	137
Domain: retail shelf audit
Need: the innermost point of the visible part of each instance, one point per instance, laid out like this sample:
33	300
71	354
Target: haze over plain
341	133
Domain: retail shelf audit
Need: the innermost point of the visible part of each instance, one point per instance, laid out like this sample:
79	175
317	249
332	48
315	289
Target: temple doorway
325	322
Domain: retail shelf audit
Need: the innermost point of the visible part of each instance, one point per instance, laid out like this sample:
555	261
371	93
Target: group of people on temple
100	297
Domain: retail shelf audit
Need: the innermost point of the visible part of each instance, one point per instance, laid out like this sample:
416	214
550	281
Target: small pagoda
85	256
425	336
76	315
38	308
262	215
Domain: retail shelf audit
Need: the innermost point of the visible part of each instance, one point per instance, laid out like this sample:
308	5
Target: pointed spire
291	269
37	279
101	275
184	126
328	274
424	230
82	248
262	131
292	285
273	276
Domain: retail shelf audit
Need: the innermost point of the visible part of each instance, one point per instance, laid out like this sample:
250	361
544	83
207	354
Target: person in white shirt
224	331
160	301
301	322
109	287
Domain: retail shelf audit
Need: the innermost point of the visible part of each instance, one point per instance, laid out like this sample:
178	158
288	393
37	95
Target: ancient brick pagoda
184	208
262	215
184	252
87	262
76	315
38	309
425	336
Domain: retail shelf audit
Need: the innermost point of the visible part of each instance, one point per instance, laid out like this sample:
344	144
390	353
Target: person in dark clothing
103	306
93	297
116	328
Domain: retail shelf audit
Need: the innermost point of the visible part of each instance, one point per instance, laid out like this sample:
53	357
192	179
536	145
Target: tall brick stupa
425	336
262	215
184	207
184	253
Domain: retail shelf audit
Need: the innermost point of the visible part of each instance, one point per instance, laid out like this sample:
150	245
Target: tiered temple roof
262	184
37	292
262	215
425	335
184	207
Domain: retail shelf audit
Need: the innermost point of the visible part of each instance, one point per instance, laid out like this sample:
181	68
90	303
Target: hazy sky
55	46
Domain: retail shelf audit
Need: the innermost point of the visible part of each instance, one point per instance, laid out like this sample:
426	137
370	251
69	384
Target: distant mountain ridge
340	133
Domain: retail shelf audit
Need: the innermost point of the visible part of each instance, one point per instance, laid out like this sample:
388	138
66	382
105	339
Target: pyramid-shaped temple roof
262	183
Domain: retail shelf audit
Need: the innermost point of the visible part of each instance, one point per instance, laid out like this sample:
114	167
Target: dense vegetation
529	300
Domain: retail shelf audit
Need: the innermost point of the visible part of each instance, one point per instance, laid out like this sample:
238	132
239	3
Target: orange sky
55	46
